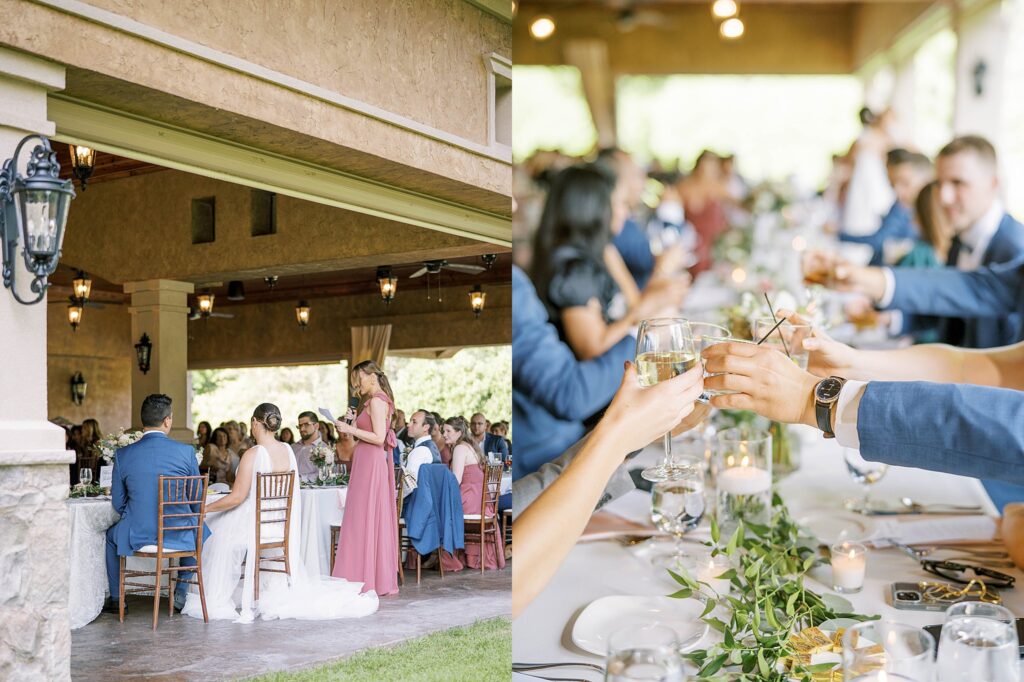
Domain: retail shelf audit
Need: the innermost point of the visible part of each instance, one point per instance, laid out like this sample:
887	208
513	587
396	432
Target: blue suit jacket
552	391
992	313
135	494
635	250
898	223
433	513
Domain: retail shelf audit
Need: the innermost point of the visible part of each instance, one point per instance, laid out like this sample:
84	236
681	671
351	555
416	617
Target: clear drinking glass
706	335
788	338
677	507
85	475
978	642
664	349
890	646
647	652
743	477
866	474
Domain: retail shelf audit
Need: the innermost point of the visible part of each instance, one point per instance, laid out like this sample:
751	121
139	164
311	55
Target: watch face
828	390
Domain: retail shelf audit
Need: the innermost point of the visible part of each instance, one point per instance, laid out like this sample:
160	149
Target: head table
593	569
90	518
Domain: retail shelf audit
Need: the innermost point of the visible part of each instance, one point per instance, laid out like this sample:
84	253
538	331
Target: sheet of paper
946	529
106	476
326	413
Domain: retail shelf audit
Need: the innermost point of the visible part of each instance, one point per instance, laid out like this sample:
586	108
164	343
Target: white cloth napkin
952	528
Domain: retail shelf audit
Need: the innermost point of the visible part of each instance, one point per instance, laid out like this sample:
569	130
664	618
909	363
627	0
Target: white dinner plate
831	526
606	615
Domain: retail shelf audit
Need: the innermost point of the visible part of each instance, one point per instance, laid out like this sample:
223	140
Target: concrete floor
184	648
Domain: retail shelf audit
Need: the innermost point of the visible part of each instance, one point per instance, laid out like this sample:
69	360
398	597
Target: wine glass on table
85	476
978	642
677	507
664	349
864	473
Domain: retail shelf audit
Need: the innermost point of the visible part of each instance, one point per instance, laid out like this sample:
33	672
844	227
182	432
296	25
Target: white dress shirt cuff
846	414
890	288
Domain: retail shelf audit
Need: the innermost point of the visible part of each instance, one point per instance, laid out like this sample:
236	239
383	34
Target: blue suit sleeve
956	428
191	467
118	493
992	291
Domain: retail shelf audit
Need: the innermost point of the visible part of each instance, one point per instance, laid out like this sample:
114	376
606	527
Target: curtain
370	343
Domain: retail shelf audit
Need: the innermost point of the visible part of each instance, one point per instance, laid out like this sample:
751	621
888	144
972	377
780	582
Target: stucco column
982	43
159	308
35	634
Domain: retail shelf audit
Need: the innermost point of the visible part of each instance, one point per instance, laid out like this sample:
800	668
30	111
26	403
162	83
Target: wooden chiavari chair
175	492
506	522
399	505
275	489
485	524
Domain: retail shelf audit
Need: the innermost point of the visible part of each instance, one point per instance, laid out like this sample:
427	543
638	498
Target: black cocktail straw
770	332
785	347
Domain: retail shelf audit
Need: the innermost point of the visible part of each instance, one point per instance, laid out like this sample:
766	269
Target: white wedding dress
304	595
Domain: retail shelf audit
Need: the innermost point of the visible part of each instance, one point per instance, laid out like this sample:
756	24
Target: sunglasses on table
957	572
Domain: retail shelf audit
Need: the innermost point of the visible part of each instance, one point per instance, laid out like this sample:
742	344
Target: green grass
479	652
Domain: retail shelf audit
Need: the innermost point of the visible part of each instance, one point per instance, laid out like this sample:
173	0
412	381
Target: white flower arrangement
199	454
322	455
108	446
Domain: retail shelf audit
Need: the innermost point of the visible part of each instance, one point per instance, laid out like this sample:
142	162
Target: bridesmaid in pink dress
368	547
468	467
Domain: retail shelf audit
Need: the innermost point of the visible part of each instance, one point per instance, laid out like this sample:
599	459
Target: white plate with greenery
606	615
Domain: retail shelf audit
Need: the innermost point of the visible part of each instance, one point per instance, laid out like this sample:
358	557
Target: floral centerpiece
108	446
322	455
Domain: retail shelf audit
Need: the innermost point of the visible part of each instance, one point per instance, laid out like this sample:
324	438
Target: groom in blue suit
135	495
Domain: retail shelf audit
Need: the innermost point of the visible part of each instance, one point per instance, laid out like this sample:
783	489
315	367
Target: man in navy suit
135	496
488	442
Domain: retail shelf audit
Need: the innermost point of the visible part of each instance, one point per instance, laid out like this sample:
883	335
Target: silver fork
922	552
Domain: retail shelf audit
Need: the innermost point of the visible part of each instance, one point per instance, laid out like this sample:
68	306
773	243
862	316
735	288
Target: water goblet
866	474
648	652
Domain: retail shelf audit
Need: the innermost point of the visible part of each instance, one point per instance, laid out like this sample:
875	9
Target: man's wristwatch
826	397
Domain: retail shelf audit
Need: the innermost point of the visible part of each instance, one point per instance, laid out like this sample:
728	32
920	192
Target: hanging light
723	9
78	388
75	315
731	29
83	160
82	287
144	353
542	27
205	303
477	299
488	259
271	281
34	208
302	314
388	284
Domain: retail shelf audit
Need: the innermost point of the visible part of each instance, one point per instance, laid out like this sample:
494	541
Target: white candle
708	572
849	561
881	676
744	479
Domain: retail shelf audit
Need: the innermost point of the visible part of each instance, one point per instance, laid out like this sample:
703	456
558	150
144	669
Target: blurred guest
399	425
438	438
869	195
287	436
91	434
310	436
736	187
569	270
203	432
487	442
218	458
236	443
630	241
327	433
344	448
703	193
469	466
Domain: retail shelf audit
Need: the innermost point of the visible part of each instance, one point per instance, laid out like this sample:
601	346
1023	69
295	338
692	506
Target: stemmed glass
664	349
866	474
677	507
647	652
978	642
905	650
85	476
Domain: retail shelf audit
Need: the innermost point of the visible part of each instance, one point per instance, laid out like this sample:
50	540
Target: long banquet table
594	569
90	518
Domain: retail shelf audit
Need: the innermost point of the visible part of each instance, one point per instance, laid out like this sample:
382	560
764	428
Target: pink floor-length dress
368	547
472	487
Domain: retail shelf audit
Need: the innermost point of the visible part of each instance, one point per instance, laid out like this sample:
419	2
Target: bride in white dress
232	522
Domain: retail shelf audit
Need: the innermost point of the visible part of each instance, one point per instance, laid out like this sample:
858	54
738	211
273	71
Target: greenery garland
768	602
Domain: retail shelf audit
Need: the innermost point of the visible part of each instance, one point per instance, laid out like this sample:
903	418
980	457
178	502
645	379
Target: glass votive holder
743	478
709	571
849	563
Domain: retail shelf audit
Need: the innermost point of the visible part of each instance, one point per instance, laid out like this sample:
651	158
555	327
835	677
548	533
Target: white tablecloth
543	632
90	519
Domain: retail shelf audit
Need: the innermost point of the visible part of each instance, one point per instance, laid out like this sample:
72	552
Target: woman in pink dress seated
368	547
468	467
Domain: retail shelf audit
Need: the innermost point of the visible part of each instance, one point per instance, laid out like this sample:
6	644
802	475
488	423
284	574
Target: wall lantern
388	284
302	314
75	315
205	303
144	351
78	387
33	207
83	160
477	299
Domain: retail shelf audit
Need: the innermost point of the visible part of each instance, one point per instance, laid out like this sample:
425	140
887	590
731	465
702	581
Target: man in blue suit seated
908	173
487	442
986	236
135	495
553	392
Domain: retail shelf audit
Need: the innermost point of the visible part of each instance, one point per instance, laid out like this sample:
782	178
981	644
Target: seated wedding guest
217	458
736	187
76	443
287	436
399	425
236	443
487	442
469	466
327	433
344	448
636	417
703	193
203	432
583	300
309	437
423	449
908	173
984	236
438	438
970	430
552	391
91	434
135	496
630	241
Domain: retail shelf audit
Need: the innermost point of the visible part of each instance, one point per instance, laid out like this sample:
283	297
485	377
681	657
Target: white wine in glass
664	349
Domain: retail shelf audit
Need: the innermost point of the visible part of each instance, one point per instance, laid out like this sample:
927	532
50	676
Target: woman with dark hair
468	467
91	434
368	550
703	192
218	457
287	436
327	434
438	438
203	433
583	210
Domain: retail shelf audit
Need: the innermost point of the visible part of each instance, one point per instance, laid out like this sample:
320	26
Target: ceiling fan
434	267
